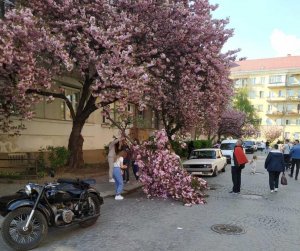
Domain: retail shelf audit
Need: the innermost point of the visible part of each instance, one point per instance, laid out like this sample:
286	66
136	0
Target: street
269	221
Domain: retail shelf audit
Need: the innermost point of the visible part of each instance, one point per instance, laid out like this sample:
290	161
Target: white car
209	161
227	147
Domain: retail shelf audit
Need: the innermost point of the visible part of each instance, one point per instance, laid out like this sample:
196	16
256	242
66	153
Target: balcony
276	85
293	98
275	113
276	99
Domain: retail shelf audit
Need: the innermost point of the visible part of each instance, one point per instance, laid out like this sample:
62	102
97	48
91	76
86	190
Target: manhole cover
227	229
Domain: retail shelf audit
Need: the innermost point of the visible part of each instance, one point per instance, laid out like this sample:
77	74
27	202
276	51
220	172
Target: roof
288	62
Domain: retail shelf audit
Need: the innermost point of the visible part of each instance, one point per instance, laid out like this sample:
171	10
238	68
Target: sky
262	28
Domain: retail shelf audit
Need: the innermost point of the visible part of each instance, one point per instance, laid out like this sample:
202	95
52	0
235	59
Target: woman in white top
117	174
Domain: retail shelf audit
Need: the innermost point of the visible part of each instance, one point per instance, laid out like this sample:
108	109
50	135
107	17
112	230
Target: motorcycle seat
77	181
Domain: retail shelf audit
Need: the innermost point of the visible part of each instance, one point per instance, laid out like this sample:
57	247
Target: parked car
209	161
227	147
250	146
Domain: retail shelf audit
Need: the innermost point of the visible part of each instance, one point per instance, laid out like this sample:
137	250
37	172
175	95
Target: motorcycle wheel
94	209
14	235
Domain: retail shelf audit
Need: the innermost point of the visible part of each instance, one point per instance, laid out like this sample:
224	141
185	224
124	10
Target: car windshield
248	143
203	155
227	146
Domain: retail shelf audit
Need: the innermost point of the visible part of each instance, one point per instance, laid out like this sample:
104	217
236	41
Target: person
295	155
238	161
112	148
286	148
267	146
117	174
253	163
217	145
127	159
275	165
135	167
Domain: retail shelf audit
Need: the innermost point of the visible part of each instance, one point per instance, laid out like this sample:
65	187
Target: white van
227	147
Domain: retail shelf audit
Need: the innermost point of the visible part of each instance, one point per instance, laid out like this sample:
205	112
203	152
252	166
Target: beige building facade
273	86
52	126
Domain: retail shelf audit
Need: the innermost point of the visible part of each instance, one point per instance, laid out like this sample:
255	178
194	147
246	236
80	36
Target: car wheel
215	173
223	169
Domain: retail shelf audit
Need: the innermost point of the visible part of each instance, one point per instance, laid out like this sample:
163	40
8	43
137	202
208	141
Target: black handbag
283	180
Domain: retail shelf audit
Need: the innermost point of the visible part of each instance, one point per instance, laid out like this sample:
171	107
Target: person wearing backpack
238	161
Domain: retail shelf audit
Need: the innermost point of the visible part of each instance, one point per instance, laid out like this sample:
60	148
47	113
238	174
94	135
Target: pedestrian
286	148
295	155
113	146
238	161
117	174
253	164
267	147
127	159
135	167
275	165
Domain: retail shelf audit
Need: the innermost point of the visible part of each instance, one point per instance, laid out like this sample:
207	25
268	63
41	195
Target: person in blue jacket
295	155
275	165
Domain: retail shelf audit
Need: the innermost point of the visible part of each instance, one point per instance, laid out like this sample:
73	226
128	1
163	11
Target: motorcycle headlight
28	190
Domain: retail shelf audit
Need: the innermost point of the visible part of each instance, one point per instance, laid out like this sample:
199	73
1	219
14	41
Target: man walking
238	161
295	155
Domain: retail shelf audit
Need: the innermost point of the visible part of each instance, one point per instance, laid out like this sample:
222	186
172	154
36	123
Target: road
269	221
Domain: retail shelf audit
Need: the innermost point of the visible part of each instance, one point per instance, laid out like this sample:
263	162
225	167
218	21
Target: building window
268	121
260	108
296	135
278	122
287	122
277	79
291	80
290	93
252	81
262	80
297	121
280	93
287	135
261	94
252	94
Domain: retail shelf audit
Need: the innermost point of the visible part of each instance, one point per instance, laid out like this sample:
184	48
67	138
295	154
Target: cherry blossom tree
42	40
272	133
166	56
181	47
162	175
231	123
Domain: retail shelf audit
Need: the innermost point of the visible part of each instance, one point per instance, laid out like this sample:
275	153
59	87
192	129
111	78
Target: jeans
236	178
117	175
273	179
297	163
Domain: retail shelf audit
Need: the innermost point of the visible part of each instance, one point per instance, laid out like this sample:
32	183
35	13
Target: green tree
242	103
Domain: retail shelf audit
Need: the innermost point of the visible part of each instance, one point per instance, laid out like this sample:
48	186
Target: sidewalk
102	185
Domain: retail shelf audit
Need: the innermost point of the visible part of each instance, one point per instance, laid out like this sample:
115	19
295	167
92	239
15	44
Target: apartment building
273	86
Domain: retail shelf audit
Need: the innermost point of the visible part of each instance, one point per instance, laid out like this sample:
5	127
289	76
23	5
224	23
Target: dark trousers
287	159
236	178
135	169
297	163
273	179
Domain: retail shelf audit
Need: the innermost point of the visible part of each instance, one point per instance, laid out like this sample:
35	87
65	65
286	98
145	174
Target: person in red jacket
238	161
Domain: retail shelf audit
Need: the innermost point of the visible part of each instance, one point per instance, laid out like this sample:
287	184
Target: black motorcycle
30	211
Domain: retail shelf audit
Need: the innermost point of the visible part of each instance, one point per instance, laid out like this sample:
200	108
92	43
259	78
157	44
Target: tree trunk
75	145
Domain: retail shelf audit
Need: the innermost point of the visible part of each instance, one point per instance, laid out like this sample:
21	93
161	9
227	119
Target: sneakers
119	197
111	180
272	191
276	189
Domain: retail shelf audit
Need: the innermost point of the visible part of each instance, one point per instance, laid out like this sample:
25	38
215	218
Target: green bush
182	152
198	144
56	156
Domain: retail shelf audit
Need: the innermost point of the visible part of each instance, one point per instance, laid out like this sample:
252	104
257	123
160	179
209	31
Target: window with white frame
287	135
297	121
269	121
261	94
290	93
296	135
278	121
277	79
